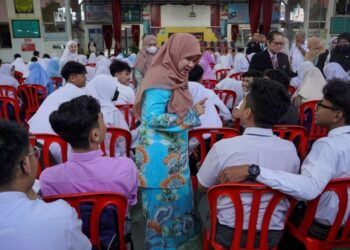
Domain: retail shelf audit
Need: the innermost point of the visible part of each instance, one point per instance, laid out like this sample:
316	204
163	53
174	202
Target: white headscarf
240	63
68	56
92	58
102	70
312	85
303	67
103	87
20	66
335	70
5	76
44	62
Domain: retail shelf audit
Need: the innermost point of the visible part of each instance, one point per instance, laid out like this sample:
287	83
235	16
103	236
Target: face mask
116	94
152	50
343	47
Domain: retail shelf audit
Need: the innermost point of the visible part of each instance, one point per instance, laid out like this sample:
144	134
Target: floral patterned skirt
170	217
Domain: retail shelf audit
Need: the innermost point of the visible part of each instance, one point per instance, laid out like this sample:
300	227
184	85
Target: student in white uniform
262	107
298	50
328	159
122	72
26	222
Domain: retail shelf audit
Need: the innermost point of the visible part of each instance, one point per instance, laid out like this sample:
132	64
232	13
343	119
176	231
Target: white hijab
303	67
240	63
312	85
20	66
103	87
92	58
68	56
334	70
5	76
44	62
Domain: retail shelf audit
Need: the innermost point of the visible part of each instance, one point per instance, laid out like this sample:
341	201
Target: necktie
274	61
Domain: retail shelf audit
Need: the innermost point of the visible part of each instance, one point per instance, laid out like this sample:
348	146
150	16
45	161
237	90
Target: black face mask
343	47
116	94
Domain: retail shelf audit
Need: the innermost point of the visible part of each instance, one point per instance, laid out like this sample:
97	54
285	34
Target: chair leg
206	236
314	245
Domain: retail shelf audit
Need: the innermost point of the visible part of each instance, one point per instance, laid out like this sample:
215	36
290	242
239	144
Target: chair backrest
21	80
295	134
238	76
57	81
233	192
46	141
32	95
93	65
212	65
99	201
127	109
307	120
116	133
291	90
6	104
8	91
338	235
216	134
221	74
18	75
209	84
226	95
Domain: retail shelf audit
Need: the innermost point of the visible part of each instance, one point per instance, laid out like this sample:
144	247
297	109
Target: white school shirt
256	146
297	56
328	159
126	94
232	84
34	224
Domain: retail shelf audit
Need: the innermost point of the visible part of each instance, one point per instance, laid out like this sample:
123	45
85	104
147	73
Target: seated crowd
169	97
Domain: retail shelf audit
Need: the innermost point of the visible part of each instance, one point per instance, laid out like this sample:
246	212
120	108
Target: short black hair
268	100
338	93
36	53
14	144
279	76
252	73
195	75
74	120
46	56
34	59
72	67
118	66
240	49
101	53
17	56
272	34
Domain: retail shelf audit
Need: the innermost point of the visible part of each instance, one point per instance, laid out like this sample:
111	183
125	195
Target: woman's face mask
343	44
152	49
116	94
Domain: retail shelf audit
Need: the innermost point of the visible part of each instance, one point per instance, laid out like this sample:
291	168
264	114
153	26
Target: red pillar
117	25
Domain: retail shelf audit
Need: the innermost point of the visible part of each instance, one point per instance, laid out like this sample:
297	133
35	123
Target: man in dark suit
272	58
253	46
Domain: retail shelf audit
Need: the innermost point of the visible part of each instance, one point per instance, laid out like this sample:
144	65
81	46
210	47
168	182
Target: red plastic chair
93	65
314	131
18	75
226	95
8	91
238	76
46	140
291	90
209	84
4	102
115	133
212	65
338	236
237	124
221	74
295	134
32	96
127	109
57	81
99	202
234	191
21	80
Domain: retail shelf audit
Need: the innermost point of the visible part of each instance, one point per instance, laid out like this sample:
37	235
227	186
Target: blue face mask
116	94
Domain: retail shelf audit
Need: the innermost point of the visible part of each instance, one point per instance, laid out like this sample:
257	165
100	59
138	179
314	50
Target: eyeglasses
36	152
319	104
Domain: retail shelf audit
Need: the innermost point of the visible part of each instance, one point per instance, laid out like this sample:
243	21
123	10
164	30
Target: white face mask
152	50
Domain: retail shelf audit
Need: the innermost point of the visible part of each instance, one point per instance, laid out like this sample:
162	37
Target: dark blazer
253	47
262	61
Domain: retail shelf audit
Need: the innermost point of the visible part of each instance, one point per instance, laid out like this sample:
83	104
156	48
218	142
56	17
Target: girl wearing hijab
315	47
323	59
53	68
20	66
311	86
37	75
144	59
334	70
205	62
6	75
165	108
70	53
303	67
105	89
92	59
341	53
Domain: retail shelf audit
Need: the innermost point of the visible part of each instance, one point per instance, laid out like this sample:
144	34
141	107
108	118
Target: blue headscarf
53	68
37	75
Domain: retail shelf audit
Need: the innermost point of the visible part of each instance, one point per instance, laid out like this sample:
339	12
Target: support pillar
117	25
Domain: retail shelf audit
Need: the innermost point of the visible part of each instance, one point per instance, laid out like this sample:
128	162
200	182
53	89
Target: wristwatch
253	171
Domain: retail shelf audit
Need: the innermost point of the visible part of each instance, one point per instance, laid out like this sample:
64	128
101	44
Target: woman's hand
200	106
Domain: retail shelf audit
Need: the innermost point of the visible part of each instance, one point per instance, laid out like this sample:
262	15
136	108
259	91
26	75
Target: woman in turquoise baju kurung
162	155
